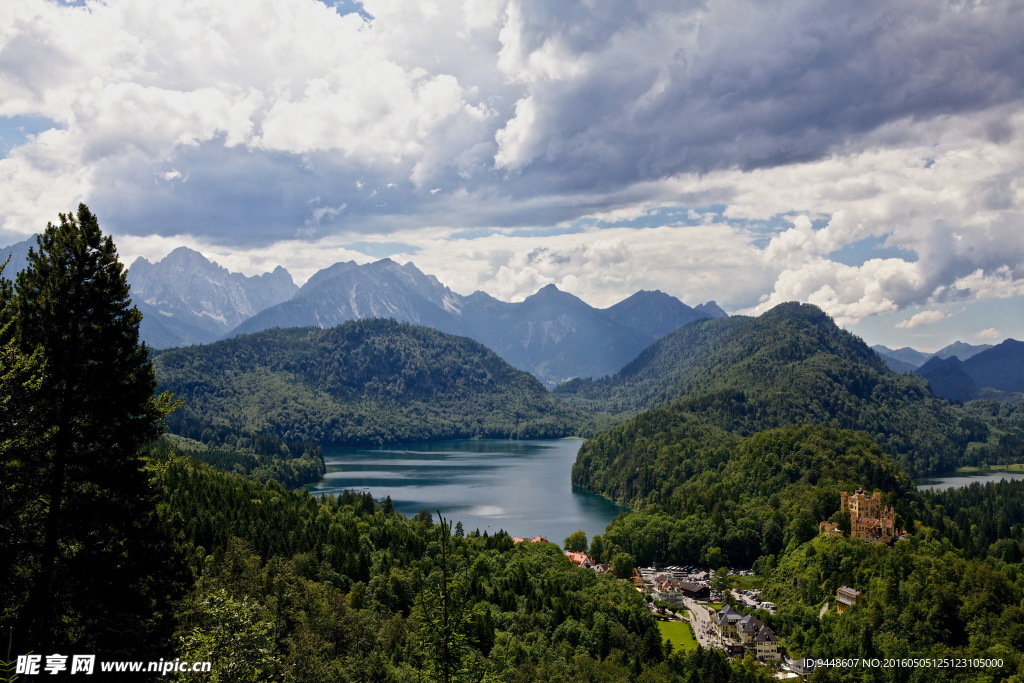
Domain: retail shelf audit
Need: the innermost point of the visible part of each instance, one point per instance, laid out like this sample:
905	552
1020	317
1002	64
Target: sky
865	157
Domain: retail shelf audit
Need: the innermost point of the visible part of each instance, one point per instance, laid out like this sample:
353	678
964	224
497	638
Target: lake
956	480
488	484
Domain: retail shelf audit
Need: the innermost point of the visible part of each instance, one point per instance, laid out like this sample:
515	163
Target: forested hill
722	353
791	365
714	498
367	381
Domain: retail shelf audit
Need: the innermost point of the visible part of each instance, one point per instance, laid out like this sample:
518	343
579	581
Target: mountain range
990	373
551	334
187	299
907	359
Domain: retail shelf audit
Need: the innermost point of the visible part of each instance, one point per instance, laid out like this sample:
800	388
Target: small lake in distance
488	484
956	480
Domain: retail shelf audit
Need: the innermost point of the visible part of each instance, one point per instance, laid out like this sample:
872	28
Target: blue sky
864	157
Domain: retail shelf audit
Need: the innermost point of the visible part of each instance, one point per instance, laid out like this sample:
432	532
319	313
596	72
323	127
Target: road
703	627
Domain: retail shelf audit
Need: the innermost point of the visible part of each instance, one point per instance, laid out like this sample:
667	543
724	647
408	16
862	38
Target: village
698	607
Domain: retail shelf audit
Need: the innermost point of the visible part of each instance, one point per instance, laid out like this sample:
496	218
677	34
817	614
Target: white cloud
133	83
990	333
517	141
923	318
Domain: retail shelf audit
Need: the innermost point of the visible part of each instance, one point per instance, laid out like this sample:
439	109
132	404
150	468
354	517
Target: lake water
956	480
519	486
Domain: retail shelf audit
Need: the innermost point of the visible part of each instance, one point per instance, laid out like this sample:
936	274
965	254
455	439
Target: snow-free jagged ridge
187	299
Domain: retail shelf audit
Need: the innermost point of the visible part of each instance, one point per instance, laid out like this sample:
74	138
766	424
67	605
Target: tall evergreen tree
90	569
20	434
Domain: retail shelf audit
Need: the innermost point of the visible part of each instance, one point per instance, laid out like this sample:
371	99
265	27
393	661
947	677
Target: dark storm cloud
750	85
468	116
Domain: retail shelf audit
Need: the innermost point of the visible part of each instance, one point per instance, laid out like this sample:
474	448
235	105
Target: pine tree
441	610
20	434
92	583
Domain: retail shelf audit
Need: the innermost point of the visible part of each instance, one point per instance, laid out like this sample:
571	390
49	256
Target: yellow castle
869	519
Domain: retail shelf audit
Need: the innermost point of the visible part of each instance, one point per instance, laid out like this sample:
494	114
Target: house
747	632
747	628
667	591
766	645
725	621
579	559
694	591
535	539
847	597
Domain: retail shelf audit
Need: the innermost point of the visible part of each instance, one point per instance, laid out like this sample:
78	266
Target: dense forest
922	598
744	499
365	381
258	456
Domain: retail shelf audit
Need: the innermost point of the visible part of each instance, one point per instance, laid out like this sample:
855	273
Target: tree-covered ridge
921	598
261	456
692	357
726	500
367	381
286	586
791	365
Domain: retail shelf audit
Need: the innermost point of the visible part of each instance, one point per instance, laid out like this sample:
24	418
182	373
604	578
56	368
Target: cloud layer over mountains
864	157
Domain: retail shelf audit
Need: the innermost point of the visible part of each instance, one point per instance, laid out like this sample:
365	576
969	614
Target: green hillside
792	365
368	381
921	598
723	499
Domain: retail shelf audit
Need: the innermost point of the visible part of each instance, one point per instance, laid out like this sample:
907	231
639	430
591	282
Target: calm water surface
519	486
956	480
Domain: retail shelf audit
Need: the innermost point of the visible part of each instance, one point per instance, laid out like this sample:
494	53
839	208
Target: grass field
746	582
1015	467
679	633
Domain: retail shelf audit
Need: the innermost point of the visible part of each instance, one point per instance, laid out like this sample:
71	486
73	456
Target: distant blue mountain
949	379
908	359
18	253
187	299
999	368
552	334
904	357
